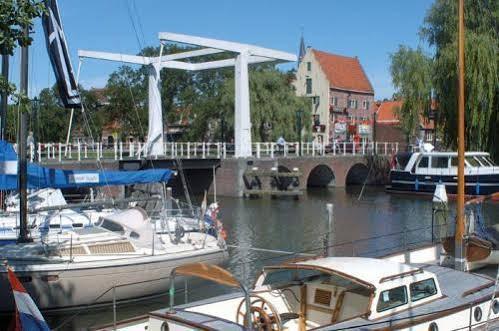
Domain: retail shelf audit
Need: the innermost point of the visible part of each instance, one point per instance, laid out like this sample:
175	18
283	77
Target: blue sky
368	29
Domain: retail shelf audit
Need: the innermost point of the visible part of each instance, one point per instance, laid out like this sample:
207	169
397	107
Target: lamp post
299	114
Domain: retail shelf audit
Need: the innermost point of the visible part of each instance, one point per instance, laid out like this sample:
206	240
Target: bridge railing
59	152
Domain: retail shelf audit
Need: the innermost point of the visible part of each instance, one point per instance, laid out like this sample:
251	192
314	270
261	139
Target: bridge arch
357	174
320	176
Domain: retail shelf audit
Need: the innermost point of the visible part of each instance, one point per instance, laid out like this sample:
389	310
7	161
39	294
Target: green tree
481	70
273	105
411	72
15	15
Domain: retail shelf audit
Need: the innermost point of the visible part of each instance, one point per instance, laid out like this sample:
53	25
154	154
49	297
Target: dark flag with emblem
59	56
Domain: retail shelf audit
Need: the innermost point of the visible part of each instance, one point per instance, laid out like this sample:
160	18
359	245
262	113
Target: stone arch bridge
318	171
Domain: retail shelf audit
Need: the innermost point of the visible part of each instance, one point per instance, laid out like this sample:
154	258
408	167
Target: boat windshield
472	161
283	276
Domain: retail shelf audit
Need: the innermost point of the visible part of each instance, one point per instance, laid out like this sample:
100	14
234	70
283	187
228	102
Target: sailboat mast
22	167
460	228
4	104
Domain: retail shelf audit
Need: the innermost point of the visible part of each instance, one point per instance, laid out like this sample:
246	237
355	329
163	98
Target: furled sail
59	56
42	177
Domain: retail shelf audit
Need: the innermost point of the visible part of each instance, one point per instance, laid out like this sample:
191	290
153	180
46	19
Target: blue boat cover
41	177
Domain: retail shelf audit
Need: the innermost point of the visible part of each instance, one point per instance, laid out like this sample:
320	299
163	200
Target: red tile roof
343	72
387	112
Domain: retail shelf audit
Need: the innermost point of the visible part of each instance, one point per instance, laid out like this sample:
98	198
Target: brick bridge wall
229	176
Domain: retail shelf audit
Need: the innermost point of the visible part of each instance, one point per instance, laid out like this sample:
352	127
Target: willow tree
273	103
411	76
481	70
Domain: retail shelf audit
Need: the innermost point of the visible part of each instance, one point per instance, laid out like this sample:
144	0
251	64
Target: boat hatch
112	248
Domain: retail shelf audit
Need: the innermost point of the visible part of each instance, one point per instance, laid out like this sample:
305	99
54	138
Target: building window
352	104
309	85
365	104
334	101
317	120
309	66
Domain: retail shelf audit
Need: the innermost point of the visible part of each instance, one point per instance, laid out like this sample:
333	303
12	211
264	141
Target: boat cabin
442	163
311	294
421	172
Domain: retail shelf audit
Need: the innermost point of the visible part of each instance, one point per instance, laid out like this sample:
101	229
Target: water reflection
371	226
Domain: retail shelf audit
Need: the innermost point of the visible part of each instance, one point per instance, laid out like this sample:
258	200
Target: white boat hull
66	285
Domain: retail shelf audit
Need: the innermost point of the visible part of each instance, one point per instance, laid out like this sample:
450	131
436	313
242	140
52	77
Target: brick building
342	97
388	124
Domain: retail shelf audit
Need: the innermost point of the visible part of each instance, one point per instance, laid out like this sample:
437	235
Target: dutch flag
28	315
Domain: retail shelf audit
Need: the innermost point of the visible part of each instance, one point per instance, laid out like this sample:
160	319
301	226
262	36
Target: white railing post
188	150
224	151
115	150
308	148
353	147
130	148
334	147
285	149
78	147
139	150
121	150
60	152
313	148
195	149
97	149
386	147
218	150
39	152
257	150
181	149
272	150
203	148
364	147
301	147
344	148
396	147
85	151
31	152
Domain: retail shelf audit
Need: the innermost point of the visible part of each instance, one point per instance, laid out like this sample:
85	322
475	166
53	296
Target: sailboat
122	257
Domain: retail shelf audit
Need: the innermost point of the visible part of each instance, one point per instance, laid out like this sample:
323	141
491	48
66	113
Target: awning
42	177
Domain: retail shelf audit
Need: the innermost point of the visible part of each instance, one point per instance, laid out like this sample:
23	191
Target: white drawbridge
245	55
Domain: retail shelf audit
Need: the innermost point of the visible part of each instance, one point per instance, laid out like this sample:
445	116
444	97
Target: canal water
373	223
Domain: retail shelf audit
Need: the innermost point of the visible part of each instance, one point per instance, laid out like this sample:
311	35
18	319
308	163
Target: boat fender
179	232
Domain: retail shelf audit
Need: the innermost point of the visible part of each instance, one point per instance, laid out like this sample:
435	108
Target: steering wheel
264	316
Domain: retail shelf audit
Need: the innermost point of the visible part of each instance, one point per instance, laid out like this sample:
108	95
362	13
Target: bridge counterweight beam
242	108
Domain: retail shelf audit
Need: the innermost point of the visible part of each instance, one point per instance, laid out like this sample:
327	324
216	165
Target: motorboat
121	258
333	293
420	172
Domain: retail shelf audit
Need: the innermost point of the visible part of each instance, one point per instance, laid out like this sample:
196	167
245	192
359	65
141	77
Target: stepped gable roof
343	72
